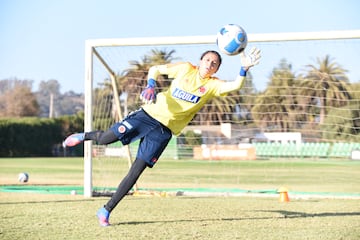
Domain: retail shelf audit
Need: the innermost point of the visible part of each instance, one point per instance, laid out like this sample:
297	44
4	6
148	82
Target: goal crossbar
252	37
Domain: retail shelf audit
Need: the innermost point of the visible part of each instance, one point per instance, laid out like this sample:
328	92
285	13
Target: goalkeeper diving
164	114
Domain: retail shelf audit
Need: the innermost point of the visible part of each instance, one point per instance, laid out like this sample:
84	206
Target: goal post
101	56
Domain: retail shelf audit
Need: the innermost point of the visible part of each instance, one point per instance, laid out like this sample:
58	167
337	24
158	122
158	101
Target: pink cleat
103	217
74	140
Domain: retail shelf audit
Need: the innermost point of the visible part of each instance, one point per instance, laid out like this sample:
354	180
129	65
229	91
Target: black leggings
101	137
130	179
126	184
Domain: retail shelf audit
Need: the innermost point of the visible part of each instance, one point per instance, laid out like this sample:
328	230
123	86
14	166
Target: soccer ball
231	39
23	177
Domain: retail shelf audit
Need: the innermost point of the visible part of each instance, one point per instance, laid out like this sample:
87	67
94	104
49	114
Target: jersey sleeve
157	70
230	86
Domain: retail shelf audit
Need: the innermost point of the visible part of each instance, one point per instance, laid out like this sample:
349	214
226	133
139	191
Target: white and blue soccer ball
23	177
231	39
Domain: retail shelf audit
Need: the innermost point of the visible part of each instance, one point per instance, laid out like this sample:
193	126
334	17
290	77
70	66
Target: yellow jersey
187	94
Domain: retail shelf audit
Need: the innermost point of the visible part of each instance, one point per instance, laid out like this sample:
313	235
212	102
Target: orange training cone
284	197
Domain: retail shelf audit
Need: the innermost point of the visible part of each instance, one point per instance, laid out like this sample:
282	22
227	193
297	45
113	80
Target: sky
41	40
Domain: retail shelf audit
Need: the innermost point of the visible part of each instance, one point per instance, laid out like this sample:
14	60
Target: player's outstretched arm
247	61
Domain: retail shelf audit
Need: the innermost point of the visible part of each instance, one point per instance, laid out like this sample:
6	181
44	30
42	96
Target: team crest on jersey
125	125
121	129
186	96
202	90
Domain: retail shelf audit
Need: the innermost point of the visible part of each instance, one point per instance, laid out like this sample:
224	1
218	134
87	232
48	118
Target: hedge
30	137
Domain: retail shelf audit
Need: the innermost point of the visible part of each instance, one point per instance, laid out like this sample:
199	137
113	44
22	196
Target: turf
72	217
33	215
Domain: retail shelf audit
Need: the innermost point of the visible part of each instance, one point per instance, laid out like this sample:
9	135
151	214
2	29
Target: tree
18	102
275	108
216	111
344	123
327	83
54	104
9	84
71	103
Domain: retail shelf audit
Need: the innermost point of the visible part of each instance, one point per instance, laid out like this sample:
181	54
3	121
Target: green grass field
333	212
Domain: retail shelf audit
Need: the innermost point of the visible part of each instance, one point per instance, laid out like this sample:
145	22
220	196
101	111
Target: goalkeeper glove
148	95
249	60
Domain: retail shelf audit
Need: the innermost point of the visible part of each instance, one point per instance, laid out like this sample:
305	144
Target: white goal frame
90	53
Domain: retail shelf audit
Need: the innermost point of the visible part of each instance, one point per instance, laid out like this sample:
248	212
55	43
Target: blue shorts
154	137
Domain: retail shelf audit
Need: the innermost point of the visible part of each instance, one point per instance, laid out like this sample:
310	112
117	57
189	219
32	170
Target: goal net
301	101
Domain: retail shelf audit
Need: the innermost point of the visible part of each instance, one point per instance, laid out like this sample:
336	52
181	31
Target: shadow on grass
191	220
283	214
291	214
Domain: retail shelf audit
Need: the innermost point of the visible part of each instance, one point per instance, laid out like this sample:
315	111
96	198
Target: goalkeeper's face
209	64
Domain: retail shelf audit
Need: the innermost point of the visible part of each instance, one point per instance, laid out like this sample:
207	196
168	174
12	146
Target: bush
36	137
